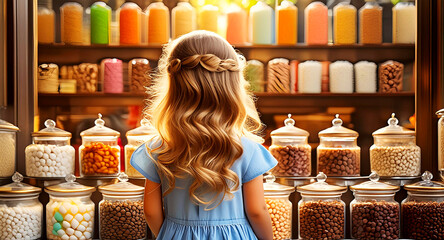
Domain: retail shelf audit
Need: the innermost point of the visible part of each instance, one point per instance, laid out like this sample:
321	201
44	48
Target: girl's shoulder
143	159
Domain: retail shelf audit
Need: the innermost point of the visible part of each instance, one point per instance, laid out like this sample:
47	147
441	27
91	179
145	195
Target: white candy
63	210
74	210
73	238
82	208
65	224
15	224
74	224
69	231
87	217
60	158
81	228
68	217
79	217
65	237
61	232
84	223
78	234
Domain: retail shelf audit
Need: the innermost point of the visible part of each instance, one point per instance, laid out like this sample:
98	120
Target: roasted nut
339	161
423	220
280	214
375	220
322	220
122	220
139	75
86	75
292	160
396	161
391	76
100	159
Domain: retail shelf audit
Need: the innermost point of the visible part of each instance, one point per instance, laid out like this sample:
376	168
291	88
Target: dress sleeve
260	162
144	163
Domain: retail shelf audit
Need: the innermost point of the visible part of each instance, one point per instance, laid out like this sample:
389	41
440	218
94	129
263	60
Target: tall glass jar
279	206
395	152
370	23
374	211
423	209
50	154
70	211
290	147
440	114
99	154
8	134
139	74
338	152
137	137
123	200
21	213
321	210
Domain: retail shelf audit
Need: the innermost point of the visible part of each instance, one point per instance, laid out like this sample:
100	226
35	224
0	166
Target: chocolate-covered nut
322	220
390	77
423	220
292	160
375	220
339	161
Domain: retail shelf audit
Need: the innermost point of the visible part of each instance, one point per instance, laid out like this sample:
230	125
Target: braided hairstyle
201	108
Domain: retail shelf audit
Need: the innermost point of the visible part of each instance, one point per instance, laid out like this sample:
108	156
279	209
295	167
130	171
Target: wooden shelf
74	54
267	103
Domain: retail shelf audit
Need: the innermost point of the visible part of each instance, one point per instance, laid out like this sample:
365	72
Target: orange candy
99	158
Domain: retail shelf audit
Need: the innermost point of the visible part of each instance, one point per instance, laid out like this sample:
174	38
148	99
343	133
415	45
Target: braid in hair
210	62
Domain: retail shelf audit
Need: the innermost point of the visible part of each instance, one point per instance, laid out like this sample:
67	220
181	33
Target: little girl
204	169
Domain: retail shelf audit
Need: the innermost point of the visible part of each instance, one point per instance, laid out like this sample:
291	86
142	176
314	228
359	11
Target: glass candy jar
136	138
440	114
338	153
8	134
21	213
70	211
374	211
395	152
321	203
423	209
50	154
99	152
279	206
123	200
290	147
138	74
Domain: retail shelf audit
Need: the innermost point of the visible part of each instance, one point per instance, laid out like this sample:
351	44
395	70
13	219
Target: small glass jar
321	210
8	134
423	209
121	213
440	114
99	154
70	211
289	145
279	206
139	74
395	152
21	213
374	211
136	138
370	23
338	152
50	154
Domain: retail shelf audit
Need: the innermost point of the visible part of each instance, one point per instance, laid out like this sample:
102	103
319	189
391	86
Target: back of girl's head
201	109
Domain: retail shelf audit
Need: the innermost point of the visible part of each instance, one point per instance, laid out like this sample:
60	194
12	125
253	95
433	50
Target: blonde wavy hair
201	108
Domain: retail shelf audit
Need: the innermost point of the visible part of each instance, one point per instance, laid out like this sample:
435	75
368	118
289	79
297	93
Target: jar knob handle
393	121
374	177
49	123
122	177
270	178
289	121
70	178
17	177
427	176
99	122
337	122
321	177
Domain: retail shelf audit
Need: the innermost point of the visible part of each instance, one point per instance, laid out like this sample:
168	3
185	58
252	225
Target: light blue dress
186	220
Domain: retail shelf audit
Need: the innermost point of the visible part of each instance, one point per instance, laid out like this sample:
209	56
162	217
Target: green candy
58	217
54	233
56	227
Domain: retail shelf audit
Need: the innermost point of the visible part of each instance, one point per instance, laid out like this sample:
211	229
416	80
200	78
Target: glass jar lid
122	188
273	188
289	130
426	185
393	129
374	186
51	131
144	129
69	188
5	126
18	189
337	130
99	129
320	187
440	113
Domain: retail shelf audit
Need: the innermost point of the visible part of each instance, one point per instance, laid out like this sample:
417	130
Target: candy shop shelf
268	103
74	54
345	181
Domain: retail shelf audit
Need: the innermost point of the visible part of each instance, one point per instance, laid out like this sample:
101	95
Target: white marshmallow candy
49	160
